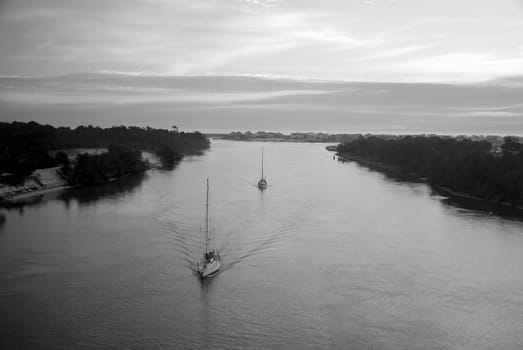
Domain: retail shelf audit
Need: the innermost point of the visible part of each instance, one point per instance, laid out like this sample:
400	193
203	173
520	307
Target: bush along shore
472	169
26	165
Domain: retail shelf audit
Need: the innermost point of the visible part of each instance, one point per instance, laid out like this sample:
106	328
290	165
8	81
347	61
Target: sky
348	40
241	103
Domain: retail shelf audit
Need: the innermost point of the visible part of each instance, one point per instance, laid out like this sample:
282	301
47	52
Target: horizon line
268	76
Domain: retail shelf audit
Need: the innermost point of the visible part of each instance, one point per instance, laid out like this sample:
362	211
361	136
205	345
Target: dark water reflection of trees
455	201
482	206
82	195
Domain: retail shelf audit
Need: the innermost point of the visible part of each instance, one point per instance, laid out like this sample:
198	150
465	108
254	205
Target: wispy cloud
462	66
395	52
347	40
262	3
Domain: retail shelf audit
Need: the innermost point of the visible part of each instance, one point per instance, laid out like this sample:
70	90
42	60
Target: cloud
262	3
338	39
395	52
328	36
137	88
462	66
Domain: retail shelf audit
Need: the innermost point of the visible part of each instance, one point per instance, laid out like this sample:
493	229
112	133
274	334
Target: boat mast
207	220
262	163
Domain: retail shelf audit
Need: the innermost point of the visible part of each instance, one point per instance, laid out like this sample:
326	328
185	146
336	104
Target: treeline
471	167
100	168
292	137
25	146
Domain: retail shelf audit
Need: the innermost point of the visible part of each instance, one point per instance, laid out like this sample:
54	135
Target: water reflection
19	204
206	295
169	165
87	195
476	205
114	190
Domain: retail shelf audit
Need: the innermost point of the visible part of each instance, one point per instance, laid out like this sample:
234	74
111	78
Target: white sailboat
262	183
210	262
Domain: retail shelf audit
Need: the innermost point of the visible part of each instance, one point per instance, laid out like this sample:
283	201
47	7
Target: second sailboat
262	183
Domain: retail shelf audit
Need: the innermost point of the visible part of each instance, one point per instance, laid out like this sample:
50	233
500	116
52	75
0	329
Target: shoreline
44	190
46	180
31	193
394	171
465	195
378	166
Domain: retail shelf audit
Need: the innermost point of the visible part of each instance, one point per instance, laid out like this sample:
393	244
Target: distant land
221	104
495	140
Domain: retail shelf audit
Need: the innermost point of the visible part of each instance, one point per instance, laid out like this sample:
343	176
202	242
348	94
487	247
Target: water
330	256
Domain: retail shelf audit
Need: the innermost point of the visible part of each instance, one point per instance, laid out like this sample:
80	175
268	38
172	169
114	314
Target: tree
62	159
511	147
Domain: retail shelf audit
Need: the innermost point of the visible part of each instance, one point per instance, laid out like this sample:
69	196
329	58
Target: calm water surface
330	256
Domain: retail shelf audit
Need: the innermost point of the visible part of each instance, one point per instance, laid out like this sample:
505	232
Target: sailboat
210	261
262	183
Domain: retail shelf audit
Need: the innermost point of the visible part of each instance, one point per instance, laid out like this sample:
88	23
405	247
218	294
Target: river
331	256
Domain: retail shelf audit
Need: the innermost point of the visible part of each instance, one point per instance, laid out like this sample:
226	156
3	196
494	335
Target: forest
471	167
25	147
100	168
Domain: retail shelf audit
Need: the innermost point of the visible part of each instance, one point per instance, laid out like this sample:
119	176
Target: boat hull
208	268
262	184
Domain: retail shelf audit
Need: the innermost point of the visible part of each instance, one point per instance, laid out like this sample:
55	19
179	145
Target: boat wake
186	243
237	243
238	254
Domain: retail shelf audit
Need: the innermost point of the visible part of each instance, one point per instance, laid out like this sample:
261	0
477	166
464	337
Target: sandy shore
33	193
40	181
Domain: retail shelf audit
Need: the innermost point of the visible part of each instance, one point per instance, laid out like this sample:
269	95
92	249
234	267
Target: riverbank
395	172
47	180
32	193
40	181
464	195
371	163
